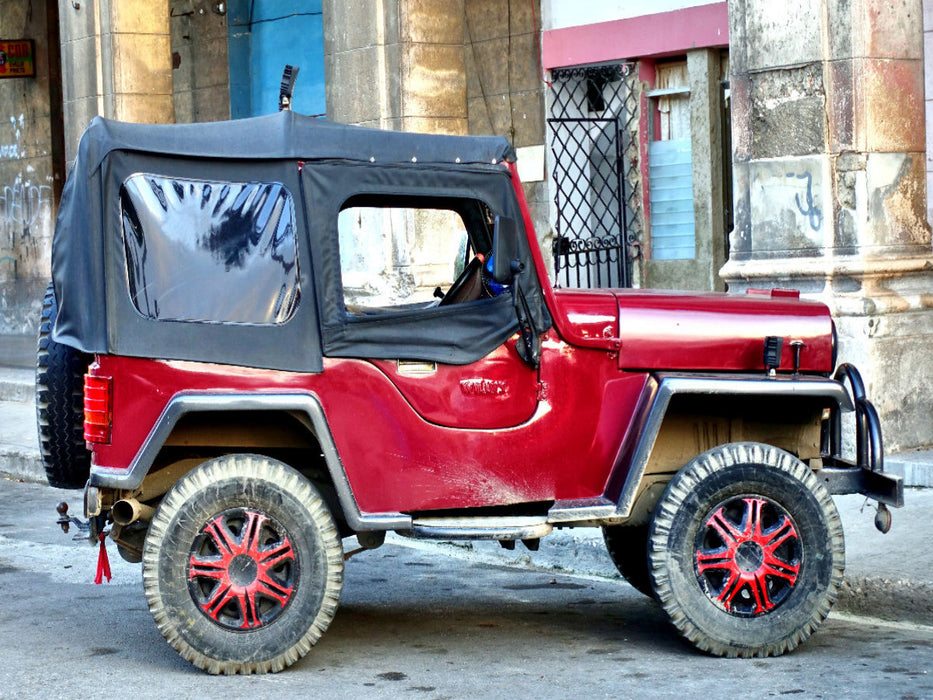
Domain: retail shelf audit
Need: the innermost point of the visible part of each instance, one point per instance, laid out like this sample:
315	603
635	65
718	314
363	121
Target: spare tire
60	373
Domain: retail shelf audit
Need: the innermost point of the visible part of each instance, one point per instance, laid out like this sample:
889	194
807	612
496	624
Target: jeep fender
304	403
629	473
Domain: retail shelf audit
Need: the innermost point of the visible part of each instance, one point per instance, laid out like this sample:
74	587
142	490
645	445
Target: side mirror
506	262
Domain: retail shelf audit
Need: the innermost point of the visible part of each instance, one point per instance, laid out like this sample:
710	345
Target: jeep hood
661	330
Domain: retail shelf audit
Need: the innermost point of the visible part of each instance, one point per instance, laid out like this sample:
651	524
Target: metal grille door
593	114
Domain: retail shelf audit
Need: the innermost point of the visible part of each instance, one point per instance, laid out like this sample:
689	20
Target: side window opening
406	253
210	252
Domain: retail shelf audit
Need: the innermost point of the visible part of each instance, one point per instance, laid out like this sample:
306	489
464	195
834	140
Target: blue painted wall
263	36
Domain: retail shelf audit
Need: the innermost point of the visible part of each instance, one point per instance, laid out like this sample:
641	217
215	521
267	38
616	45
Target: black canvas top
309	166
288	135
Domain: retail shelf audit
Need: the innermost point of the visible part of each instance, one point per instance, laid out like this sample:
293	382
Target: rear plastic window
221	252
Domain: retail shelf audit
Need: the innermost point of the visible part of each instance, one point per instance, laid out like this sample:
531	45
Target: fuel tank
681	331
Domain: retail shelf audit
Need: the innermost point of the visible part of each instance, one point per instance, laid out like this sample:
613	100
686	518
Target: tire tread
678	492
245	467
60	373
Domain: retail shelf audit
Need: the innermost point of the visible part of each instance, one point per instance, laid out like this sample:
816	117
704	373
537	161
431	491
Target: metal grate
594	143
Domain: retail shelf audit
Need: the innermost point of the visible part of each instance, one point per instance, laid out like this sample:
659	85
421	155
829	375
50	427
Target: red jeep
295	332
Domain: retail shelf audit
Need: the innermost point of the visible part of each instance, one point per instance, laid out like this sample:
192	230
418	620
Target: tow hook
93	531
66	520
883	518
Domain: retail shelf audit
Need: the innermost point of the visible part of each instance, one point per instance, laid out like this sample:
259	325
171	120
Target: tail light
97	409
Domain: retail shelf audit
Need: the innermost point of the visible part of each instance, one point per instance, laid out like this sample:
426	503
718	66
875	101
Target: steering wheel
469	284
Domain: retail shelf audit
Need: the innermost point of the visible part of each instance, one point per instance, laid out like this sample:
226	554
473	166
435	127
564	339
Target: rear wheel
60	371
242	566
746	551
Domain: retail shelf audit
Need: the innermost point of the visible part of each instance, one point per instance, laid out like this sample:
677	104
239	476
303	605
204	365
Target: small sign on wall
17	58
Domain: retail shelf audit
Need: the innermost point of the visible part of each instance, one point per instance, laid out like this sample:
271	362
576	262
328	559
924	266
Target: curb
898	600
916	467
17	385
865	596
12	390
21	465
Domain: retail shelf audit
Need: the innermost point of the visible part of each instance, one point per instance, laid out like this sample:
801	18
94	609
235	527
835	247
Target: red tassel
103	563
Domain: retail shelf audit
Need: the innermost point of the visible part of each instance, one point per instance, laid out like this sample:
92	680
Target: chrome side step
519	527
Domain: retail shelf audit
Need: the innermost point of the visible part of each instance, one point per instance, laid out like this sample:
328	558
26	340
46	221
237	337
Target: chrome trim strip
184	403
581	509
478	528
671	385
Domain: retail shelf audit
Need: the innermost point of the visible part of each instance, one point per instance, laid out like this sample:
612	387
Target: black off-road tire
746	510
628	548
60	371
267	514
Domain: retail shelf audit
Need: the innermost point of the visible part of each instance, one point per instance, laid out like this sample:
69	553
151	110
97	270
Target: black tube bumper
867	475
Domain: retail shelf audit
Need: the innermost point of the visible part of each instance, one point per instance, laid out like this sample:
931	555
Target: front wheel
746	551
242	565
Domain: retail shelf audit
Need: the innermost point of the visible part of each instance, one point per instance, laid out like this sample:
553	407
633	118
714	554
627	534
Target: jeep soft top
283	332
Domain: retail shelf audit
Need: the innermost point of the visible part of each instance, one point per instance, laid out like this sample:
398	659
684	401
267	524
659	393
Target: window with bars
593	118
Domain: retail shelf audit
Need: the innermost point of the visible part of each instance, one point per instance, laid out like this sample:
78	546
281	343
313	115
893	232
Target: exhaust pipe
129	510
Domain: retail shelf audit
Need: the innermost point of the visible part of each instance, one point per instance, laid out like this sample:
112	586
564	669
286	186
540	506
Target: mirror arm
530	349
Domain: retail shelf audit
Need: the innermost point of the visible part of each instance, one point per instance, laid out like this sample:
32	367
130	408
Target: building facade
829	141
639	141
703	145
32	163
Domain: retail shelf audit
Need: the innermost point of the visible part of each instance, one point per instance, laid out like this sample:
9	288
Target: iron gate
594	143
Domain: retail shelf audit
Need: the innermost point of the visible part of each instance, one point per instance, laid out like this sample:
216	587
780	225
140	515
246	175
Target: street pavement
415	621
888	576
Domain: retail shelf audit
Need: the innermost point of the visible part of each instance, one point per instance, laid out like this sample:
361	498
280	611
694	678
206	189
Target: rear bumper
866	475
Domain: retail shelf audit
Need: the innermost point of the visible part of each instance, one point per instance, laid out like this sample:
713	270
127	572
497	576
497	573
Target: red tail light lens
97	410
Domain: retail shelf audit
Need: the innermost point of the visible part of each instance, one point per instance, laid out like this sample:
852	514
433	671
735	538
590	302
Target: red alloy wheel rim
242	571
748	555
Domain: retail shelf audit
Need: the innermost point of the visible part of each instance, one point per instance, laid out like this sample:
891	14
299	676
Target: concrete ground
413	622
887	576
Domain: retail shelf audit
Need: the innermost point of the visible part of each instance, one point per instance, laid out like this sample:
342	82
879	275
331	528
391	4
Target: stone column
116	63
830	191
396	64
704	69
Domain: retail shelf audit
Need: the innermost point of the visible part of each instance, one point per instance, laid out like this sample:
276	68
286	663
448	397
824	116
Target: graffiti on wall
21	204
11	151
26	202
788	203
14	150
812	212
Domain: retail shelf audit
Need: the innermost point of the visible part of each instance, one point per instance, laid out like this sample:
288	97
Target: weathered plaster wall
830	183
928	96
30	173
396	64
200	71
441	66
505	88
117	63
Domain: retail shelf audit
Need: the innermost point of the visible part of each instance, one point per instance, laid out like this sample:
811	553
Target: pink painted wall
666	33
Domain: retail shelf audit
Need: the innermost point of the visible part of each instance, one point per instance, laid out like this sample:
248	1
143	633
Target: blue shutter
673	229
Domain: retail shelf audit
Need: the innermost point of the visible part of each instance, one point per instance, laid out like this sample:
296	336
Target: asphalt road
414	623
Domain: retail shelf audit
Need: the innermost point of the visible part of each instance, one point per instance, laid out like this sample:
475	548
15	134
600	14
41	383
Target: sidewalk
887	576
